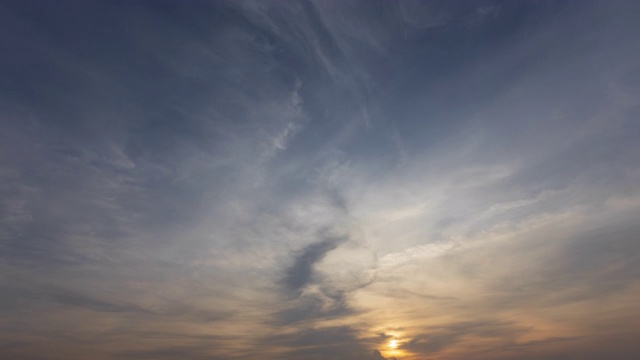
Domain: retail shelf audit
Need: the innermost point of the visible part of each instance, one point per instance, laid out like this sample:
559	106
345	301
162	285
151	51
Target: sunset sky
322	180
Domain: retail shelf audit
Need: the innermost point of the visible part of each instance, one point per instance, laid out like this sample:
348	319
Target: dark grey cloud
80	301
376	355
314	307
332	342
325	302
169	352
300	273
551	340
29	295
442	337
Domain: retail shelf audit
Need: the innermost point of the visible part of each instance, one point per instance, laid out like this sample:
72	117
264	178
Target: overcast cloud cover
319	179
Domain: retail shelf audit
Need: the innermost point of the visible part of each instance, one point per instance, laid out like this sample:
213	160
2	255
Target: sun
393	344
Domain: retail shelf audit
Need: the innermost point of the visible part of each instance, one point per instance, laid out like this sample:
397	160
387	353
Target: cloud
290	180
441	338
299	274
331	342
376	355
425	15
310	299
75	300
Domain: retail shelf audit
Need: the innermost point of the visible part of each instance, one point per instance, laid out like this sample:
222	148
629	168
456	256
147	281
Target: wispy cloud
300	180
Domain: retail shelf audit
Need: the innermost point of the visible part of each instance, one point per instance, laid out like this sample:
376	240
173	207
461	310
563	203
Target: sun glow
393	344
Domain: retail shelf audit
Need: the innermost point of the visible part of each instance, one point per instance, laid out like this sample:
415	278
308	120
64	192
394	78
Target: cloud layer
319	180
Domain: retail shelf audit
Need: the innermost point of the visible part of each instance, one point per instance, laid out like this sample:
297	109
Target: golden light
393	344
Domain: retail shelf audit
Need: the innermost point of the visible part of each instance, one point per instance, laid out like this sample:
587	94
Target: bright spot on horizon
393	344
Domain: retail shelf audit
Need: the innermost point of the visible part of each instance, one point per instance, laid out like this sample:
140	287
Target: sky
319	180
